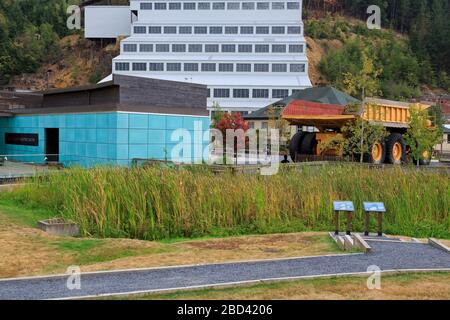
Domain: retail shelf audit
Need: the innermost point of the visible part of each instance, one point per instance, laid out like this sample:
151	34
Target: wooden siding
95	96
161	93
124	93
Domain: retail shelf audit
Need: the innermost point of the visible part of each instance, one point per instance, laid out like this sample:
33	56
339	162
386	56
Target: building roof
162	56
327	95
89	2
16	99
317	95
249	80
77	89
263	113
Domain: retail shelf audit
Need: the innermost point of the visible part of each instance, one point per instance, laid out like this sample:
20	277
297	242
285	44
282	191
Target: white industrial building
248	53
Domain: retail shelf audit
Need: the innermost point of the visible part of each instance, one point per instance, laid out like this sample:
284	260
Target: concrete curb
360	242
395	241
255	282
348	243
11	186
339	240
439	245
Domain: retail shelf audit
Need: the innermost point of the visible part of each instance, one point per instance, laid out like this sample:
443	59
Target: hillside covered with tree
29	34
37	48
420	57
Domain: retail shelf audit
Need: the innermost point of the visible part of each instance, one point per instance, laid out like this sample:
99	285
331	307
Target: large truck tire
308	144
395	149
425	159
294	146
376	154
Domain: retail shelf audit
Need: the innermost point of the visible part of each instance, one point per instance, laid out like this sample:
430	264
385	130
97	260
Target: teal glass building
113	123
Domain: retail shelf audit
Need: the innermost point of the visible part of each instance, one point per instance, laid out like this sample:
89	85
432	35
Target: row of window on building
211	67
235	5
245	93
211	48
217	30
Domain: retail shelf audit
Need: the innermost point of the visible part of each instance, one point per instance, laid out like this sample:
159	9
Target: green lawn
20	215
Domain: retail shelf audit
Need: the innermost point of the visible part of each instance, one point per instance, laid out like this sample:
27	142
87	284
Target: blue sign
374	207
343	206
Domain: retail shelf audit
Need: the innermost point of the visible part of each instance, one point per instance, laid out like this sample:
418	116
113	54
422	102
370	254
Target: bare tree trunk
362	126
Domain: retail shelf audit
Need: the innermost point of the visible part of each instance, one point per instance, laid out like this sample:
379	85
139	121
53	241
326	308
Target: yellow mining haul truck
393	115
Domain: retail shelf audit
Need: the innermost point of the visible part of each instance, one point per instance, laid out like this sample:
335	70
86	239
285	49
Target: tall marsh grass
154	203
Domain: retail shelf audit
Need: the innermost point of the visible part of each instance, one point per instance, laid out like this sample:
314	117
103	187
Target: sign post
343	206
377	208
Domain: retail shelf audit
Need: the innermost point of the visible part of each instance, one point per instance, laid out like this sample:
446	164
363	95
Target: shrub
95	78
400	72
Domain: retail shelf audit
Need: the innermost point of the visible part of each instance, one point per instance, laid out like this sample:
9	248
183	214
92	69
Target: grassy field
155	203
26	250
413	286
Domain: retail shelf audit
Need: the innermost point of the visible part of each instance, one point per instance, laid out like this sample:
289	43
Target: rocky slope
82	62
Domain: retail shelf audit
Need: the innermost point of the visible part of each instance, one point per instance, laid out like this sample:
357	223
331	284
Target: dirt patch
278	240
225	250
25	252
230	244
316	50
446	242
82	62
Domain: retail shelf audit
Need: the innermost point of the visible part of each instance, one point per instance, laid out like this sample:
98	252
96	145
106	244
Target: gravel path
386	255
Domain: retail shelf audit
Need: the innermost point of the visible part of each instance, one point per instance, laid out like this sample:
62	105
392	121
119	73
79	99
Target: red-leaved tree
233	121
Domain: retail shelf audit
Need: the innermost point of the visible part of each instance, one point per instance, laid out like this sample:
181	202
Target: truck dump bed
307	113
391	114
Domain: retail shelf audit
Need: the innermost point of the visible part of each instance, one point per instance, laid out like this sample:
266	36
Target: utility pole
418	157
362	125
47	79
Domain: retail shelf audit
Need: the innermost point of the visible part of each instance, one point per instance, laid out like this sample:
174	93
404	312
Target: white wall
219	16
107	21
445	145
221	80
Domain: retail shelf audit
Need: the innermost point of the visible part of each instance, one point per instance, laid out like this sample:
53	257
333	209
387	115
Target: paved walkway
10	170
387	255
